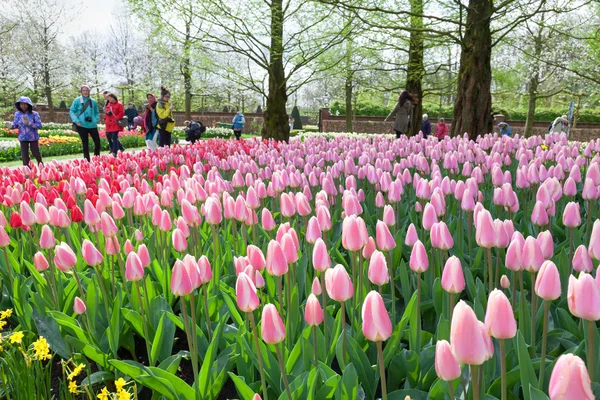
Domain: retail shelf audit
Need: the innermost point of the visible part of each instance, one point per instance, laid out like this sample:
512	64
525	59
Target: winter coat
131	114
441	130
27	132
426	128
112	120
91	111
238	122
163	112
506	130
560	125
402	114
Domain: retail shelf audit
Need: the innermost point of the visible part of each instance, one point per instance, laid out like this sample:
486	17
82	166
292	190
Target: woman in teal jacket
84	114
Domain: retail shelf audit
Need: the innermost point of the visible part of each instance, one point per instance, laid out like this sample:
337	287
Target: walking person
238	125
131	113
164	115
560	124
84	114
27	122
149	121
505	129
441	129
426	126
113	112
402	113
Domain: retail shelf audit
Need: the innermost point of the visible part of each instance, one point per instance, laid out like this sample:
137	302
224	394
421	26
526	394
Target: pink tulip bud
441	238
134	271
41	214
418	258
589	191
514	256
594	246
378	269
582	262
241	209
429	216
90	254
212	211
117	211
313	313
109	228
351	234
471	344
111	246
27	214
385	240
321	260
539	215
128	247
468	201
389	217
256	257
256	397
139	236
289	248
204	270
324	218
369	248
287	206
144	255
245	292
547	283
570	187
181	280
313	230
504	282
546	243
316	287
39	262
165	223
90	215
583	297
446	367
338	284
272	327
180	243
47	240
532	257
453	279
4	238
259	281
499	316
277	264
376	325
267	221
411	236
485	234
572	215
570	380
79	306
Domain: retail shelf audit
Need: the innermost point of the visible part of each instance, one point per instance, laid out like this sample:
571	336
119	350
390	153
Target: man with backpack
559	125
194	130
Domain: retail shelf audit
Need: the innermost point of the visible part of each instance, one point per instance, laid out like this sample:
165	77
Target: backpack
551	126
202	127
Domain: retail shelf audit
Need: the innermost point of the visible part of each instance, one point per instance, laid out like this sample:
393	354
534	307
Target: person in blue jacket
426	126
84	114
505	129
238	125
27	122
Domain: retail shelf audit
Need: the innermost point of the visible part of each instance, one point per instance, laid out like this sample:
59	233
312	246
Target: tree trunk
415	69
48	86
533	87
348	85
472	108
186	71
276	122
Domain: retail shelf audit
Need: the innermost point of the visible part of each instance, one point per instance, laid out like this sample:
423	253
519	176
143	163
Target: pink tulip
134	271
79	306
320	258
378	270
139	236
570	380
204	270
547	283
453	279
289	248
180	243
144	255
411	236
583	297
90	254
47	240
499	317
470	341
429	216
324	218
504	282
539	215
272	327
27	214
582	262
181	280
245	292
276	261
313	313
376	323
256	257
267	220
91	216
572	215
446	367
4	238
351	234
441	238
546	243
485	234
313	230
287	205
256	397
128	247
212	211
389	217
594	246
165	223
241	209
589	191
385	240
39	262
338	284
532	257
369	248
514	256
418	258
64	257
316	287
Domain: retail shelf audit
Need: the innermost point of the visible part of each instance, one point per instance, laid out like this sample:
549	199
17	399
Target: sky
94	15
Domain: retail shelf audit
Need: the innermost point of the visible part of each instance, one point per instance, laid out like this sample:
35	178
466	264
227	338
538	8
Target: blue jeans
113	142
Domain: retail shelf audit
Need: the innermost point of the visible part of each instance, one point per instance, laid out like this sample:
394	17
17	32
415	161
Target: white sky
91	15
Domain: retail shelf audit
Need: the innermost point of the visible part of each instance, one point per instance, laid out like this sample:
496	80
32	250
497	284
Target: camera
88	119
109	113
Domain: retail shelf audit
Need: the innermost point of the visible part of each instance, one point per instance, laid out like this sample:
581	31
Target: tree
90	61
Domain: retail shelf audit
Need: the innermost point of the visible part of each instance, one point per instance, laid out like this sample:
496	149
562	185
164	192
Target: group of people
402	118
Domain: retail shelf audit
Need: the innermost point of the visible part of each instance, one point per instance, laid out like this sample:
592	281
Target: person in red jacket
441	130
113	112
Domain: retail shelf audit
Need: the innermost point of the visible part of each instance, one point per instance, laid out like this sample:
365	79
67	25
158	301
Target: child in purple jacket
28	122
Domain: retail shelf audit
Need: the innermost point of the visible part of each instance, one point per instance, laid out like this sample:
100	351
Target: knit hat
84	87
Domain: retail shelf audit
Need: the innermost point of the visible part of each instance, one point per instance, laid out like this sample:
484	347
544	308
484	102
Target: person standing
441	129
238	125
149	121
426	126
84	114
164	115
402	113
27	122
560	124
131	113
505	129
113	112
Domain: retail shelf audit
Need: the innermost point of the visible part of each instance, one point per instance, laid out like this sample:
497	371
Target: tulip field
339	267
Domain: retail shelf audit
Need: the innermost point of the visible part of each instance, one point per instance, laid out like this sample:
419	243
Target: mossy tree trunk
415	69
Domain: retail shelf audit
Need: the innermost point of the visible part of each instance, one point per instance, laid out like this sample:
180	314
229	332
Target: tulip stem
392	286
514	289
490	270
146	294
206	312
322	276
451	390
450	307
590	360
533	314
280	294
52	272
470	232
571	250
522	302
418	344
381	371
475	381
144	321
10	274
216	255
343	310
259	356
497	278
503	368
315	340
357	292
283	374
193	351
588	225
193	326
544	340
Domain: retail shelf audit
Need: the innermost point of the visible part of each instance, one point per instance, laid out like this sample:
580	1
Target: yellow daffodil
16	337
2	325
123	395
6	313
119	384
103	395
73	387
41	348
